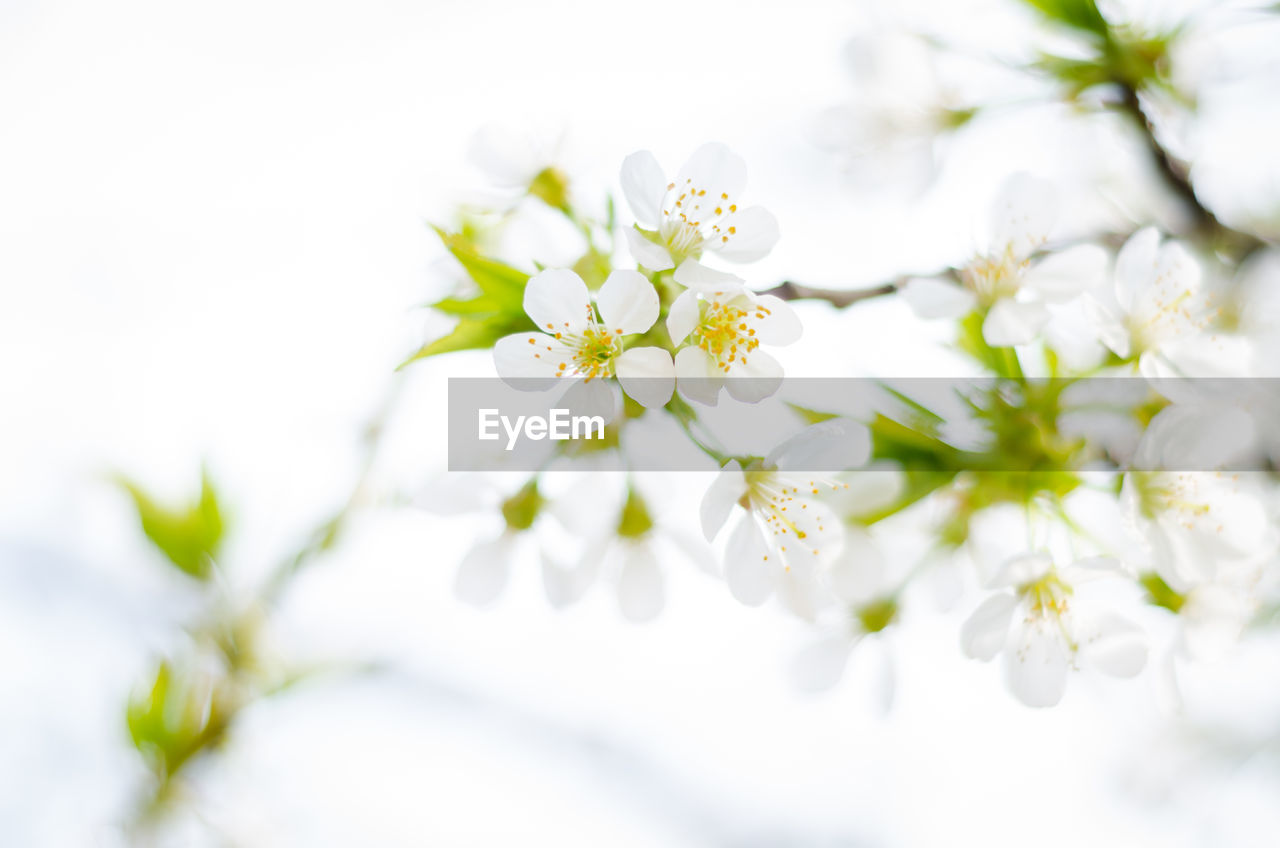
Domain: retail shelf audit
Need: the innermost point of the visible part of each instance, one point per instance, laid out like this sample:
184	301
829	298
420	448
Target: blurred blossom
1006	279
1043	620
888	131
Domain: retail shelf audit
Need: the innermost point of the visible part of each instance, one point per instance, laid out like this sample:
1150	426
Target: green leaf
474	334
1077	14
498	280
496	310
190	536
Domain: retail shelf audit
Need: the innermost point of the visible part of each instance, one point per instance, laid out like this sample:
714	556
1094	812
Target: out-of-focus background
213	247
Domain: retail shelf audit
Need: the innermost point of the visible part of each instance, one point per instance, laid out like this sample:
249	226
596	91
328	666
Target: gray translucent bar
922	424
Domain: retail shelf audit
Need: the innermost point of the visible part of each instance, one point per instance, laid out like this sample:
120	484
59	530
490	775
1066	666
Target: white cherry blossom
1194	520
574	341
697	211
1005	279
1158	313
721	325
786	532
1045	627
866	588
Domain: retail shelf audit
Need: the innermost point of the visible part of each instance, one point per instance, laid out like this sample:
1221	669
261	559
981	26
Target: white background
212	244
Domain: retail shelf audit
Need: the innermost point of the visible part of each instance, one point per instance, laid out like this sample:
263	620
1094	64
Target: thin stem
1176	175
839	298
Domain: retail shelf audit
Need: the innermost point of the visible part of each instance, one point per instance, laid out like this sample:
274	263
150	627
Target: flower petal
1069	273
557	300
628	303
682	316
483	572
647	254
818	666
754	378
837	444
713	169
640	587
1021	569
747	569
531	360
857	575
746	235
987	629
780	325
647	374
697	376
932	298
718	502
1012	323
1037	666
1114	646
644	185
1022	215
1136	265
566	586
694	275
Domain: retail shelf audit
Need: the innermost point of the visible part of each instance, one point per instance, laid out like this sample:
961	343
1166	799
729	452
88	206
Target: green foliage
1082	15
635	520
190	536
496	309
522	509
174	719
1001	361
1161	593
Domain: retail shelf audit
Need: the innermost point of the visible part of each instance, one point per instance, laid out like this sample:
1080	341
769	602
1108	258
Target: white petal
647	374
1020	570
715	169
530	361
834	445
1022	215
694	275
1109	326
754	378
647	254
697	376
591	397
819	665
683	316
747	568
482	574
857	575
628	303
801	591
932	298
1012	323
1114	646
566	586
1069	273
644	185
718	502
557	301
987	629
1038	663
1136	266
640	589
781	325
503	155
755	232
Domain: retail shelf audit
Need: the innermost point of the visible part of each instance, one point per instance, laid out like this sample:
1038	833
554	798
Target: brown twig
1175	173
839	298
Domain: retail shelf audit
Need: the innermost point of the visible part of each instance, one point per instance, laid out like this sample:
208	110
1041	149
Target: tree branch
1176	175
839	298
